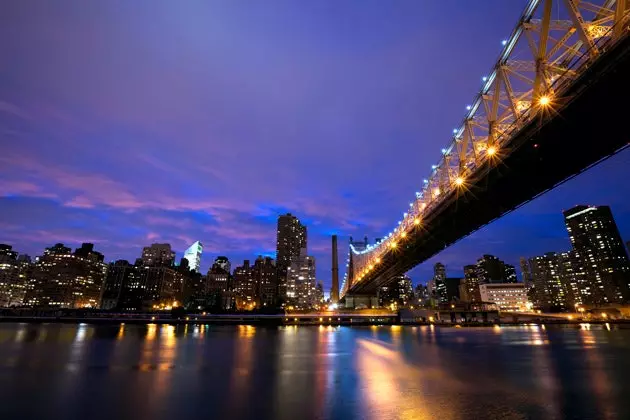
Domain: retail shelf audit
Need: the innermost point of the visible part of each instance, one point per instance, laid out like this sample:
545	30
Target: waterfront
241	372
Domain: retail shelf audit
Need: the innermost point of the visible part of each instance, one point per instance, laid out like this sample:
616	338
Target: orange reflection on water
385	380
121	332
597	368
246	331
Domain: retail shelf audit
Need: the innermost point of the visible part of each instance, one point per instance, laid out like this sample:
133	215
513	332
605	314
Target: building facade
507	296
63	279
301	282
193	255
158	255
13	278
245	290
491	269
265	277
601	253
291	238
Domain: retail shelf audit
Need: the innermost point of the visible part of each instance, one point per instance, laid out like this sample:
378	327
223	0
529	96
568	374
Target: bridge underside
590	126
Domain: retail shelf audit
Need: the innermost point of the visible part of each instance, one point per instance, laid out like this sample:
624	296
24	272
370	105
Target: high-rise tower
291	238
602	255
193	255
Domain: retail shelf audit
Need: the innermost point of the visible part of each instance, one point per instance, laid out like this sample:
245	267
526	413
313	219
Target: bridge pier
360	301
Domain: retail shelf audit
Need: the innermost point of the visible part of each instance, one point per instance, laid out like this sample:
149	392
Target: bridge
554	104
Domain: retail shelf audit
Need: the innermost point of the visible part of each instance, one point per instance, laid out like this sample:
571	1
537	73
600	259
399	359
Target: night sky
130	122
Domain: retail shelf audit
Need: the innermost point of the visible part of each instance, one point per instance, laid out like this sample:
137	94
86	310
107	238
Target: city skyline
341	171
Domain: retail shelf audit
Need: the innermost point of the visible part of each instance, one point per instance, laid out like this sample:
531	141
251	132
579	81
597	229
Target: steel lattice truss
554	41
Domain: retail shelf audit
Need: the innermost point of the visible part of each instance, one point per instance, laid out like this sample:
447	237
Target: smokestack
334	292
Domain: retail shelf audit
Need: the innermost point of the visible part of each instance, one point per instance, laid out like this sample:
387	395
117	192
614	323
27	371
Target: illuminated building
121	290
265	278
218	283
300	283
398	292
245	287
549	291
291	238
436	285
469	285
193	255
507	296
602	256
223	263
12	278
490	269
158	255
63	279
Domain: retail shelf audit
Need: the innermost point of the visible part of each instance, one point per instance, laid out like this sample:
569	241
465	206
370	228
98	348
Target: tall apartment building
602	256
158	255
265	278
301	282
490	269
64	279
291	238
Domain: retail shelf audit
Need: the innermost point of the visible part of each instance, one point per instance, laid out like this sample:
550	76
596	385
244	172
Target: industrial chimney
334	292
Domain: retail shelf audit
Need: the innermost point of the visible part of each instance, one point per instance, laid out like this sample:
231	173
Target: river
70	371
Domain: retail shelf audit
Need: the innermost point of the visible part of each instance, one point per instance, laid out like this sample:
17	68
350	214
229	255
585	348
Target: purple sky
130	122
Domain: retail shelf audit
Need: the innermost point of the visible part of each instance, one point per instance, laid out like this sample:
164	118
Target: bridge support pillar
361	301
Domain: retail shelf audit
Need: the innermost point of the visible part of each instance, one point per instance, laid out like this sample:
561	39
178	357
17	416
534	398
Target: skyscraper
602	255
437	285
245	286
193	255
12	282
301	281
265	277
490	269
64	279
549	289
291	238
470	285
157	255
224	263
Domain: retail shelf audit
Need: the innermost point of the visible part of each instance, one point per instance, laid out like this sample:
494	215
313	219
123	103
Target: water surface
245	372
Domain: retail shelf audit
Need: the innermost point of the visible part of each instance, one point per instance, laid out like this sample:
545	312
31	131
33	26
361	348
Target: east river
68	371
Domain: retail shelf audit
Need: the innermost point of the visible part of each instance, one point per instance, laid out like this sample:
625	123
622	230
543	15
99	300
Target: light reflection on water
166	371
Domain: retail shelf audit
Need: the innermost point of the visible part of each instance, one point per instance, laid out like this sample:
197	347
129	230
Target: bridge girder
532	81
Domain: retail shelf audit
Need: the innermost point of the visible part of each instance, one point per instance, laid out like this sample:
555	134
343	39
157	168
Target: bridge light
378	260
443	151
392	245
468	107
459	181
433	166
491	150
426	181
544	100
403	235
436	192
484	78
455	130
410	204
504	42
416	221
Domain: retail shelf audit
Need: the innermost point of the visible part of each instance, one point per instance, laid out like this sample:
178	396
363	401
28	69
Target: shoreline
289	321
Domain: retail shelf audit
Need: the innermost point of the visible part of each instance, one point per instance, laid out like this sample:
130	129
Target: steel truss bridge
555	103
